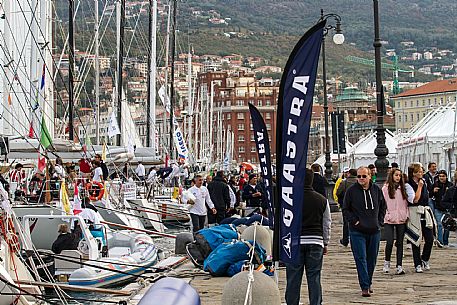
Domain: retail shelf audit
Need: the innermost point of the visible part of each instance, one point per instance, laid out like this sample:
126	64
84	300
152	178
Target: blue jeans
310	259
443	234
365	249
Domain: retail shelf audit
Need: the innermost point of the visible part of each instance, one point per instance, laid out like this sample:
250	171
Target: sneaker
386	267
419	269
344	244
400	270
426	265
366	293
438	244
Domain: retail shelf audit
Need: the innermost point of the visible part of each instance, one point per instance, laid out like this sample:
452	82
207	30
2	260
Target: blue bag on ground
219	234
227	254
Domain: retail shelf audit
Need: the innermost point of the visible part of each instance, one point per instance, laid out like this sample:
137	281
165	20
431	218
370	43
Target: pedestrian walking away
315	234
351	178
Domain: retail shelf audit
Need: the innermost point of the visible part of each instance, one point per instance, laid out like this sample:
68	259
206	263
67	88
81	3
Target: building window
267	115
251	101
240	138
240	126
241	149
406	104
251	127
259	103
399	118
418	116
228	103
398	104
423	102
411	103
252	148
268	126
252	138
406	118
267	102
412	117
417	103
240	103
229	116
240	115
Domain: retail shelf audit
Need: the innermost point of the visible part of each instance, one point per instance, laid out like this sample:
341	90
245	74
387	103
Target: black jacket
66	241
443	187
252	201
319	184
429	181
313	208
449	201
104	170
365	206
423	199
219	193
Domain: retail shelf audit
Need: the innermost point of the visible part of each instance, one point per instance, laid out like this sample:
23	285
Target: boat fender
261	234
264	290
181	241
171	291
95	194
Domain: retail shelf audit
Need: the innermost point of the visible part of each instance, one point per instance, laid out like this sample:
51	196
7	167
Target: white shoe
426	265
400	270
386	267
419	269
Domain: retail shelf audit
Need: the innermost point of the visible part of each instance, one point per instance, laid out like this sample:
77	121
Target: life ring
95	194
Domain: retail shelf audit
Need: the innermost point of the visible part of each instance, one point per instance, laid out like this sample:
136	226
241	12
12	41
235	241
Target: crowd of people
408	206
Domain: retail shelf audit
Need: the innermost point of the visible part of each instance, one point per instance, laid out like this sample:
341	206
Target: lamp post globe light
338	38
381	150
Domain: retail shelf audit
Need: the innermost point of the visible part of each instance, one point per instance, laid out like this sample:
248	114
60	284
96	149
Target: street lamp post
338	38
381	150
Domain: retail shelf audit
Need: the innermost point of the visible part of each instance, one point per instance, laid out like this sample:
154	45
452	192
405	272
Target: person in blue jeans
364	208
441	185
315	234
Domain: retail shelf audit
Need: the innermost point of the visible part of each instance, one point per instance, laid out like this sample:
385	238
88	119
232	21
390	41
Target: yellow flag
64	197
104	152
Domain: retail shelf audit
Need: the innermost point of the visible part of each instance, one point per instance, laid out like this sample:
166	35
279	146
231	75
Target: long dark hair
392	186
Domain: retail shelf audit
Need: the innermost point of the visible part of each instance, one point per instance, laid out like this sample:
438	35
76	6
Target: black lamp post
338	38
381	150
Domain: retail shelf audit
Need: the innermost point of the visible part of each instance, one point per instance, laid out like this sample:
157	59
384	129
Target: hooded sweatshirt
364	206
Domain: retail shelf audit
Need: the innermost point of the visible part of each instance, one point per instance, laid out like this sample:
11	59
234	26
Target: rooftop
437	86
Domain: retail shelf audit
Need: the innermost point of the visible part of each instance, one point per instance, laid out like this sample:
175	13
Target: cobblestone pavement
340	285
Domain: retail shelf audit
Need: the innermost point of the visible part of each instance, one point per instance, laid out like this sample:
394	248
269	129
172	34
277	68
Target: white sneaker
386	267
426	265
419	269
400	270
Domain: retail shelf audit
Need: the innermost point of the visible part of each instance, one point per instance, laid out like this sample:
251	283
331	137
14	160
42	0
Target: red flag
31	131
41	163
166	160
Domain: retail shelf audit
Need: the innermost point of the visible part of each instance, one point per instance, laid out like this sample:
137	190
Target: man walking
344	186
220	196
197	209
364	209
319	182
315	234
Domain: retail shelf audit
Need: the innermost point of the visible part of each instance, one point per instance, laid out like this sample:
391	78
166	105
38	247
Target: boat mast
172	92
97	74
120	58
167	55
189	101
151	109
71	61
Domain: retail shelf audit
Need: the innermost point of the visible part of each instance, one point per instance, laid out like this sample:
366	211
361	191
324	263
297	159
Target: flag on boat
164	98
45	137
263	150
293	120
41	163
43	73
181	147
76	200
64	200
104	152
113	128
9	100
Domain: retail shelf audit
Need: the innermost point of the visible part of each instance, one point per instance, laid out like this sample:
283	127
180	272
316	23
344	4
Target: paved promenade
340	285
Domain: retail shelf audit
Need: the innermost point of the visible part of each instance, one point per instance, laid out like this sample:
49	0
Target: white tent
334	159
362	153
425	142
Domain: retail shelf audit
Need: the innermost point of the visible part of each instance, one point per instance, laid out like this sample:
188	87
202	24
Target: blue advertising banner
262	142
295	103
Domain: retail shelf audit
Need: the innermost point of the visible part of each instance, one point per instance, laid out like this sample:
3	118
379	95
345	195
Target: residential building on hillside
412	105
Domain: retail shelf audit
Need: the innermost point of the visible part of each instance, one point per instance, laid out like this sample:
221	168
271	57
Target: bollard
182	239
